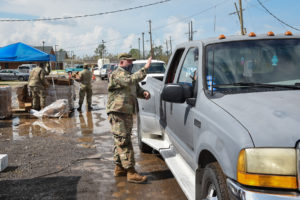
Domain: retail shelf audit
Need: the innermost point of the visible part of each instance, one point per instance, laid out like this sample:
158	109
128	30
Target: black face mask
128	68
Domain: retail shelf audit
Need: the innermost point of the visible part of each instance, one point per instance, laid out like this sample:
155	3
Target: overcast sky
121	30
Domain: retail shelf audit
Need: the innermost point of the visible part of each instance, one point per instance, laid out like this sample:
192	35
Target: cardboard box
5	105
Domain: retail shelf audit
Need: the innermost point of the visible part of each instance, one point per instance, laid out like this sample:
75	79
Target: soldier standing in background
85	79
37	84
123	89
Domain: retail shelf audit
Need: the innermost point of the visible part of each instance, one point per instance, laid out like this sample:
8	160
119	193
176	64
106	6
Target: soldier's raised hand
148	64
146	95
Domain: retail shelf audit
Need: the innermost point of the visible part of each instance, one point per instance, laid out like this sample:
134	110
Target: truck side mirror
176	93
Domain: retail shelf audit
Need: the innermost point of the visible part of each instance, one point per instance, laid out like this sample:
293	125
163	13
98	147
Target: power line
193	15
159	27
82	16
277	17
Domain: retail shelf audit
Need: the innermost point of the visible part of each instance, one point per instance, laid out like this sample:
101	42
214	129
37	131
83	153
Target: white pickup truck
157	69
226	117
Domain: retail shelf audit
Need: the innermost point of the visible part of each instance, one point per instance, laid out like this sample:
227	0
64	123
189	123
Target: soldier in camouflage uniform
37	84
85	79
123	89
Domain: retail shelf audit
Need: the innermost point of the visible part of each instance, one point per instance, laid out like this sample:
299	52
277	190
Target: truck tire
142	146
214	183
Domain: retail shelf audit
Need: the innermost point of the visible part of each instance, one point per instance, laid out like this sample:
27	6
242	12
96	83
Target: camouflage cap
126	56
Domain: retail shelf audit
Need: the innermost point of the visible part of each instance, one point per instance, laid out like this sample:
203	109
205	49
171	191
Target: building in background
48	50
61	59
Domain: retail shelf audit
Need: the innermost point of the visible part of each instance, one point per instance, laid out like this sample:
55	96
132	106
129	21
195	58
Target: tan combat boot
134	177
119	171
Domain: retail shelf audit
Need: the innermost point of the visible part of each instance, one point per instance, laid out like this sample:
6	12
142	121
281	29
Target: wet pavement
71	158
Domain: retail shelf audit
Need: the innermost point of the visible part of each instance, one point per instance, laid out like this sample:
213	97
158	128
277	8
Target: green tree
100	50
135	53
113	58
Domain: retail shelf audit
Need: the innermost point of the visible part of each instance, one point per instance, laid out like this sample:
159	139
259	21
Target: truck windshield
156	68
253	64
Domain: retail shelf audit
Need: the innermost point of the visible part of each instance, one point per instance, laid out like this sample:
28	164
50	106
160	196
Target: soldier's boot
79	108
90	107
119	171
134	177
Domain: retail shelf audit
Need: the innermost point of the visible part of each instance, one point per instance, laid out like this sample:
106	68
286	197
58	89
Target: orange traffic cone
94	77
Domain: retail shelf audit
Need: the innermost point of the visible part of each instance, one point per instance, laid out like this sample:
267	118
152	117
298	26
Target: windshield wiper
265	85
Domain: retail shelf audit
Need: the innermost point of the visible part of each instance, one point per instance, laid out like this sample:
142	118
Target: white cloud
82	35
177	30
129	42
120	30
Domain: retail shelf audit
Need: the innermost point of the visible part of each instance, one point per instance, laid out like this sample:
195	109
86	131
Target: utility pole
43	45
72	55
139	48
150	32
143	45
241	18
55	55
103	50
189	33
192	32
239	13
167	47
170	45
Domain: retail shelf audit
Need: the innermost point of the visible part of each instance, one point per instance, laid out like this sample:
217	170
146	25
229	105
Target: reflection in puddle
85	125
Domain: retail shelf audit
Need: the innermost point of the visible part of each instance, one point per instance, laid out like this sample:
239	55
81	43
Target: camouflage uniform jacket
85	78
37	78
123	89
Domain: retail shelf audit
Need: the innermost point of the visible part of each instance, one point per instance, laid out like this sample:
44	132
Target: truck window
189	67
156	68
174	65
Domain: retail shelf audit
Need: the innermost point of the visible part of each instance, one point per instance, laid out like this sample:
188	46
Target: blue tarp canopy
19	52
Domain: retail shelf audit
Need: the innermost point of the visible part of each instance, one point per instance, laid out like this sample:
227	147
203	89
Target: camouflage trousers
38	97
121	126
88	91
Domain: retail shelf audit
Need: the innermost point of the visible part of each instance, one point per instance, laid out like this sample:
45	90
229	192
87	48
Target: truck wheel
213	183
143	147
102	78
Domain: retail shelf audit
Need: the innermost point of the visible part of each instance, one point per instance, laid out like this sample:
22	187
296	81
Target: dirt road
71	158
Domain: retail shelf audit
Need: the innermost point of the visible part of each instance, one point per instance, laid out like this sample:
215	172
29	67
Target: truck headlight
268	167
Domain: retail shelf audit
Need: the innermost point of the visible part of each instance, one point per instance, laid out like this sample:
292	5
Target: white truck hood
272	118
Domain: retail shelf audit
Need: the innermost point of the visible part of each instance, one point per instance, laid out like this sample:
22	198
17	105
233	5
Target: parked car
26	68
11	74
226	117
75	69
96	71
111	68
103	72
156	70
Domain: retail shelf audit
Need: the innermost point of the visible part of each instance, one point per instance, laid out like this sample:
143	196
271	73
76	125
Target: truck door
180	116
